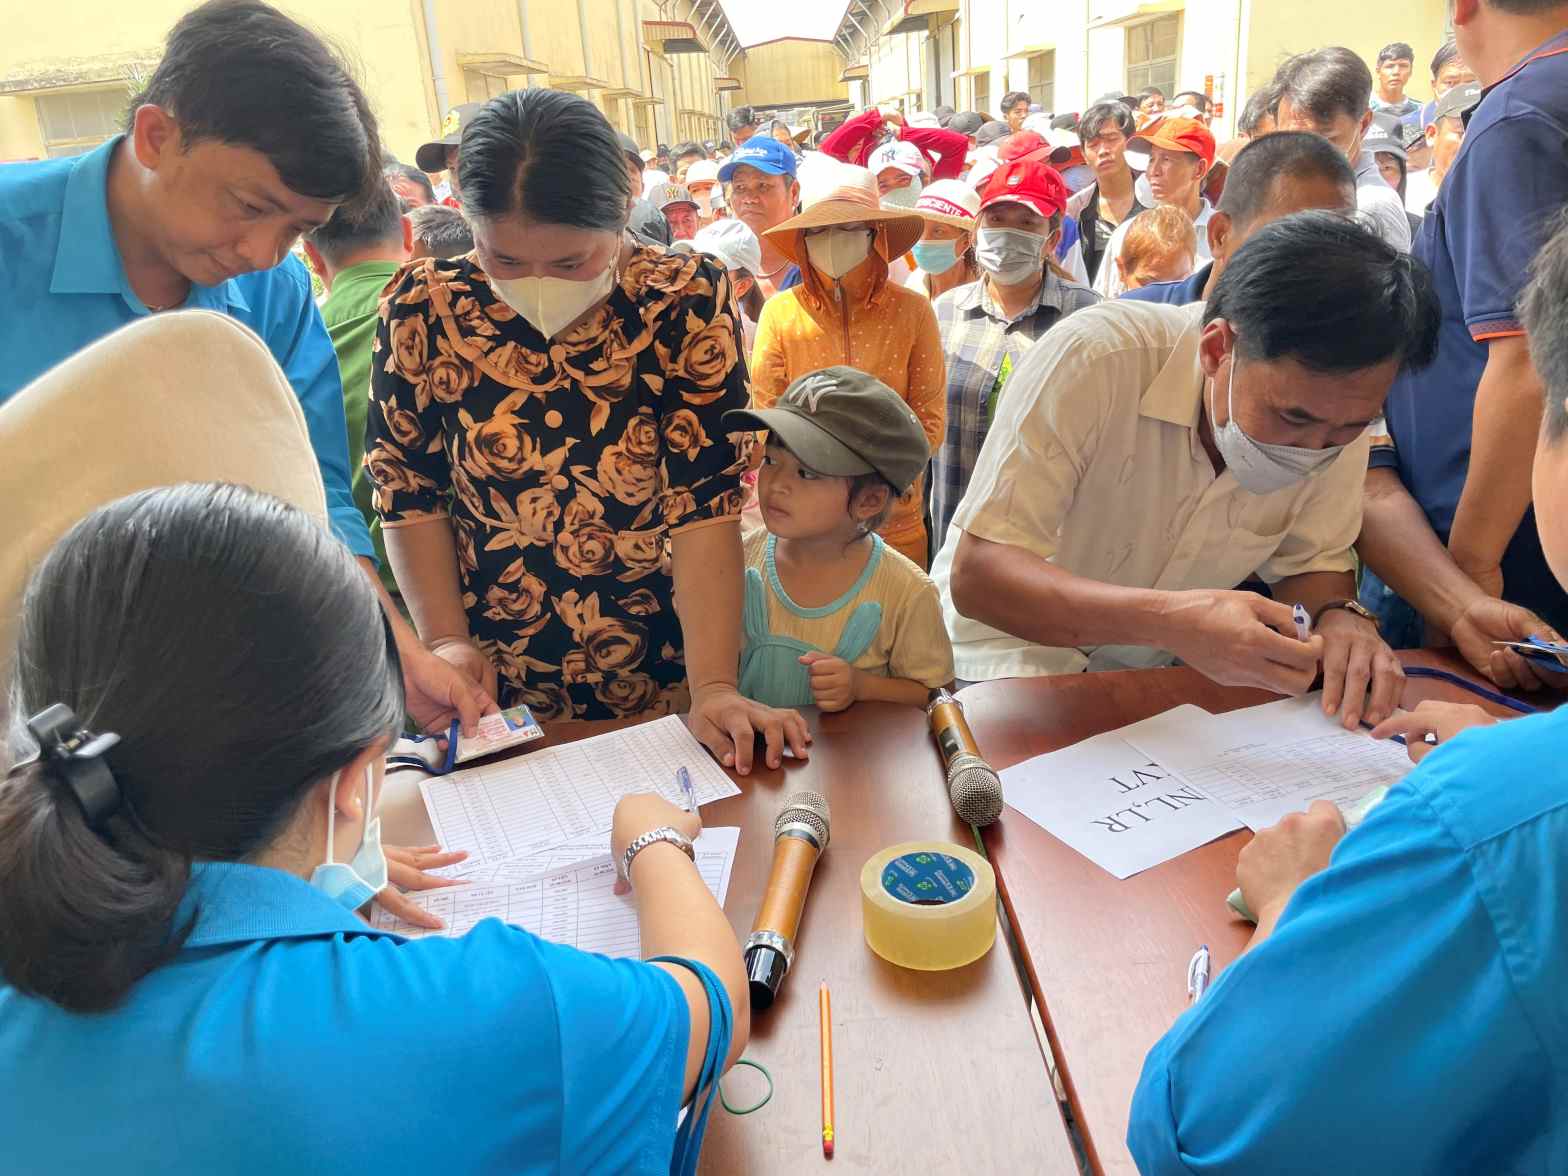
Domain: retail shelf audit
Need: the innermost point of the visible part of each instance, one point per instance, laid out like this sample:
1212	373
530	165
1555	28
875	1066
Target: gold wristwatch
1354	607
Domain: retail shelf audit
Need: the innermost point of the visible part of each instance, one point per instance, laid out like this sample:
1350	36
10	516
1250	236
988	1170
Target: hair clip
75	755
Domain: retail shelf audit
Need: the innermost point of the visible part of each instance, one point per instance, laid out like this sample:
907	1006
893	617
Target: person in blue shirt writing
185	986
249	133
1400	1008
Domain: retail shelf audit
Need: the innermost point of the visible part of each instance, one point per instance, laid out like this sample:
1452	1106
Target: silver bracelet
664	833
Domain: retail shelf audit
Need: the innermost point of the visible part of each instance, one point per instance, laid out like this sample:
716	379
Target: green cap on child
842	422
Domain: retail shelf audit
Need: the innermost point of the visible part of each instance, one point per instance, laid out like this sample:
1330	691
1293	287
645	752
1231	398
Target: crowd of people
791	419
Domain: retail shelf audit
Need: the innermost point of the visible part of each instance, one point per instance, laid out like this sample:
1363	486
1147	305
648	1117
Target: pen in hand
683	778
1303	623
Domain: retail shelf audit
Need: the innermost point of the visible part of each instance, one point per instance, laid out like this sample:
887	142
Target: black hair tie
75	756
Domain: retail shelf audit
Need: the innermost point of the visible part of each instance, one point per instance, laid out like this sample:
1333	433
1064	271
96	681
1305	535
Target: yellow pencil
825	1016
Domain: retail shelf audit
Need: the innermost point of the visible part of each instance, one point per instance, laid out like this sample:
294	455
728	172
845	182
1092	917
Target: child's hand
833	680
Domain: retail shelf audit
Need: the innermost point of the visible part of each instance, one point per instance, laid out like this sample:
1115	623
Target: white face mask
553	304
1261	467
1011	256
903	197
837	251
356	881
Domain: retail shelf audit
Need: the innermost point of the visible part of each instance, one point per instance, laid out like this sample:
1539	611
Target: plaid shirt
977	337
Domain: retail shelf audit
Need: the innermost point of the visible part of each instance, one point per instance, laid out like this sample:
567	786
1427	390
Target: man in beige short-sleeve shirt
1109	519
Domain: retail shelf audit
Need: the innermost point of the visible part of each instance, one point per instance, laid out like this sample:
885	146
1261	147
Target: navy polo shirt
1182	293
1491	216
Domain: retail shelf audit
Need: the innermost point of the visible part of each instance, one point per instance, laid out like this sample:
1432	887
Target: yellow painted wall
378	37
554	34
385	43
793	71
1279	29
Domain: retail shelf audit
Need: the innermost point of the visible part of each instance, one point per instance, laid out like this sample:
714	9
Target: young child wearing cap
846	311
833	615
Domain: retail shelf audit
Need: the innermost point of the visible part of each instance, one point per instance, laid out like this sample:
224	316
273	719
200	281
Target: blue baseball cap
765	154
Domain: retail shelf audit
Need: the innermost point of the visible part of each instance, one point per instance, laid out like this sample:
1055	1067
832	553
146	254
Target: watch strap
1354	607
663	833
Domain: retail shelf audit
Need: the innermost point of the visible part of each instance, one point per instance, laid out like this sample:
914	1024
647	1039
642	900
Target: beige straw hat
842	194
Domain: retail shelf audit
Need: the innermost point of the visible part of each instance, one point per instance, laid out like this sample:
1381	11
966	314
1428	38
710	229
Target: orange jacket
868	323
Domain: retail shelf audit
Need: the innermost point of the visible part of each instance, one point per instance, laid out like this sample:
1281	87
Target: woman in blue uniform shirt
1401	1008
186	985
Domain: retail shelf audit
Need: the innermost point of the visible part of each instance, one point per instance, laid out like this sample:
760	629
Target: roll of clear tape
928	905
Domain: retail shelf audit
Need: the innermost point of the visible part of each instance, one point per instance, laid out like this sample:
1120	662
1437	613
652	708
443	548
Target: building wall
791	72
1232	45
389	44
1278	30
898	71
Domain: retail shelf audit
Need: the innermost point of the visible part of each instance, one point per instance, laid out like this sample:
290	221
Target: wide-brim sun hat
841	195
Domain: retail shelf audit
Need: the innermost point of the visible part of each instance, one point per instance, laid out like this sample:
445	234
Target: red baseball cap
1176	134
1029	182
1030	145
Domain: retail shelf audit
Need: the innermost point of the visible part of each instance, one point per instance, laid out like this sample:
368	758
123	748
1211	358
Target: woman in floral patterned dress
545	444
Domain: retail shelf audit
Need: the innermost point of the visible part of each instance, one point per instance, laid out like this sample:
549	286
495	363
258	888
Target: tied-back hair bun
241	657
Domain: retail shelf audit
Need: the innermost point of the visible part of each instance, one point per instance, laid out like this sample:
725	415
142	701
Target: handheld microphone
800	835
975	790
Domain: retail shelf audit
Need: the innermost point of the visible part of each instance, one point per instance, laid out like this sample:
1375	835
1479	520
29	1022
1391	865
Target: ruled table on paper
572	903
542	798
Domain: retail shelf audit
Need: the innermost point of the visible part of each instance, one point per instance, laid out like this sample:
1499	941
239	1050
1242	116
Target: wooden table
1107	959
934	1071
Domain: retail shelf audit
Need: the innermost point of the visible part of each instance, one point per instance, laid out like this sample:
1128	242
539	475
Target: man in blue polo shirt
249	133
763	193
1272	177
1449	524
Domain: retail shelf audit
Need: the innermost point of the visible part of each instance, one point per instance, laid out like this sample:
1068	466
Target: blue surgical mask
936	257
1262	467
356	881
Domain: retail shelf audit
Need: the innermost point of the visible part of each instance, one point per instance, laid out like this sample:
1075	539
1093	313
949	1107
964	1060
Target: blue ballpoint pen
683	778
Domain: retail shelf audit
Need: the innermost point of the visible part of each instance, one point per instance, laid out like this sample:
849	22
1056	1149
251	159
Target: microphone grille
805	808
976	790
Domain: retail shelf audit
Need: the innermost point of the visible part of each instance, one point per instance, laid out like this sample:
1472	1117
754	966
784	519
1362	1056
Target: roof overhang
1031	50
1110	13
575	82
669	37
126	69
500	65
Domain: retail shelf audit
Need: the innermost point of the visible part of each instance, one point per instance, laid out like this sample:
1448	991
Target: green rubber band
767	1098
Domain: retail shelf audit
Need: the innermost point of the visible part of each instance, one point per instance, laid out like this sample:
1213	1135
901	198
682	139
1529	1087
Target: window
1151	54
982	102
1042	80
76	121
